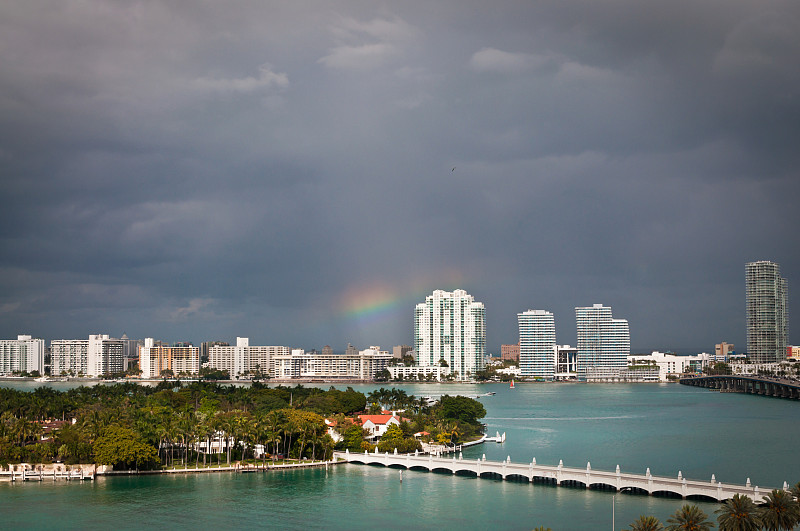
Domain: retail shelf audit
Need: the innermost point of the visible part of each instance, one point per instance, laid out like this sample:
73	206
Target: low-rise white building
414	372
24	354
671	364
365	365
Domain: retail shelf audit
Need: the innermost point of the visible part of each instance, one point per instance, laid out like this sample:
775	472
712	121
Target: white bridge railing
560	474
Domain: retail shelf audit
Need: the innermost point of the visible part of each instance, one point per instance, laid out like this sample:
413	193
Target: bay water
666	427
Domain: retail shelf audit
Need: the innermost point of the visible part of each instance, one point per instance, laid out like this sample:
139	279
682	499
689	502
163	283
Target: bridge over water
755	385
560	475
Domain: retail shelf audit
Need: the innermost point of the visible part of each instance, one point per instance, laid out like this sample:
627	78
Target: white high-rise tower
451	326
603	343
767	331
537	341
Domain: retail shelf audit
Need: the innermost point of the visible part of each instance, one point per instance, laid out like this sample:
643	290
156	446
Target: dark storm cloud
206	170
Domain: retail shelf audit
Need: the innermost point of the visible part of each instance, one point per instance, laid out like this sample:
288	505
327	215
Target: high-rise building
96	356
509	352
537	341
603	343
244	359
723	350
767	316
157	359
398	351
450	327
24	354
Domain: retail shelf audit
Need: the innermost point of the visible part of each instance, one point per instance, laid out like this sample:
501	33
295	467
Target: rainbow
373	302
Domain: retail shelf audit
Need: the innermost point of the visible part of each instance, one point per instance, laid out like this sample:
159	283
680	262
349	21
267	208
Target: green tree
461	408
124	449
779	511
738	514
646	523
689	518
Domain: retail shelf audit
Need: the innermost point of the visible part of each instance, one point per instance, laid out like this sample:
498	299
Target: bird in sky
454	169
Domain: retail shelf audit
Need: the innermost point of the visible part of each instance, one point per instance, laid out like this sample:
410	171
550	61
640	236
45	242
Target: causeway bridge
754	385
565	476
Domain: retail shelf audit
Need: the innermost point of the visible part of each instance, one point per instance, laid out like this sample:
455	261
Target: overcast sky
283	171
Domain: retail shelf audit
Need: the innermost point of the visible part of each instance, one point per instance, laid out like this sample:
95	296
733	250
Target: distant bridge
754	385
561	475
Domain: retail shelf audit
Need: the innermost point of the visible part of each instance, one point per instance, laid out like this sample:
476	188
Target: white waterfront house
377	425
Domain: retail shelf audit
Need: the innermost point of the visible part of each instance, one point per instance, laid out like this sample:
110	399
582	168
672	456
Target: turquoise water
665	427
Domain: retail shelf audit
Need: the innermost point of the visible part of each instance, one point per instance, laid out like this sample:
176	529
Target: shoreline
91	472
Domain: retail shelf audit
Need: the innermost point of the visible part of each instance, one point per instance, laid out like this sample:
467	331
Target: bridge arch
466	473
573	483
517	477
702	497
441	470
602	486
491	475
665	493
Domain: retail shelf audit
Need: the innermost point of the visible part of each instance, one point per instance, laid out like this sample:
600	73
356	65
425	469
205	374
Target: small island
173	426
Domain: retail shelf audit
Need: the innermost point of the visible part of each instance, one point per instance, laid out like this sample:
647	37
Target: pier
754	385
564	476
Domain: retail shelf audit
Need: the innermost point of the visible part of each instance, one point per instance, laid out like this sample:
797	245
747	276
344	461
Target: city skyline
305	174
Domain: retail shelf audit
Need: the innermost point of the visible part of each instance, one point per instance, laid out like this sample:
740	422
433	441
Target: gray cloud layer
201	170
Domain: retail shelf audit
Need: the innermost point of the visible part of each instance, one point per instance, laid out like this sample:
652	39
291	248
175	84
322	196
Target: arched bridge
561	475
754	385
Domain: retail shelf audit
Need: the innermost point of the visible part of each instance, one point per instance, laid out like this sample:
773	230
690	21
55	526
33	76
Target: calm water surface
668	428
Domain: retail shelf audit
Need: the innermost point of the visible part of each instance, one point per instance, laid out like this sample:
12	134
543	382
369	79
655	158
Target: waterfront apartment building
604	343
792	352
766	298
24	354
670	365
93	357
363	365
566	359
509	352
537	341
243	359
155	359
450	327
415	372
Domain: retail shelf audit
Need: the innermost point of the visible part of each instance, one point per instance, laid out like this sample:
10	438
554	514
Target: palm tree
779	511
647	523
689	518
795	491
738	514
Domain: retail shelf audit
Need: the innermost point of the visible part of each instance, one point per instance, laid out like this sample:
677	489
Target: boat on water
512	384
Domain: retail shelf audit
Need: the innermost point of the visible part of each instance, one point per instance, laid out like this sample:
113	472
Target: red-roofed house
378	424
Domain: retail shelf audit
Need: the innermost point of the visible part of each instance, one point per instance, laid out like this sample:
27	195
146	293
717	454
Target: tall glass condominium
767	294
603	343
451	326
537	342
